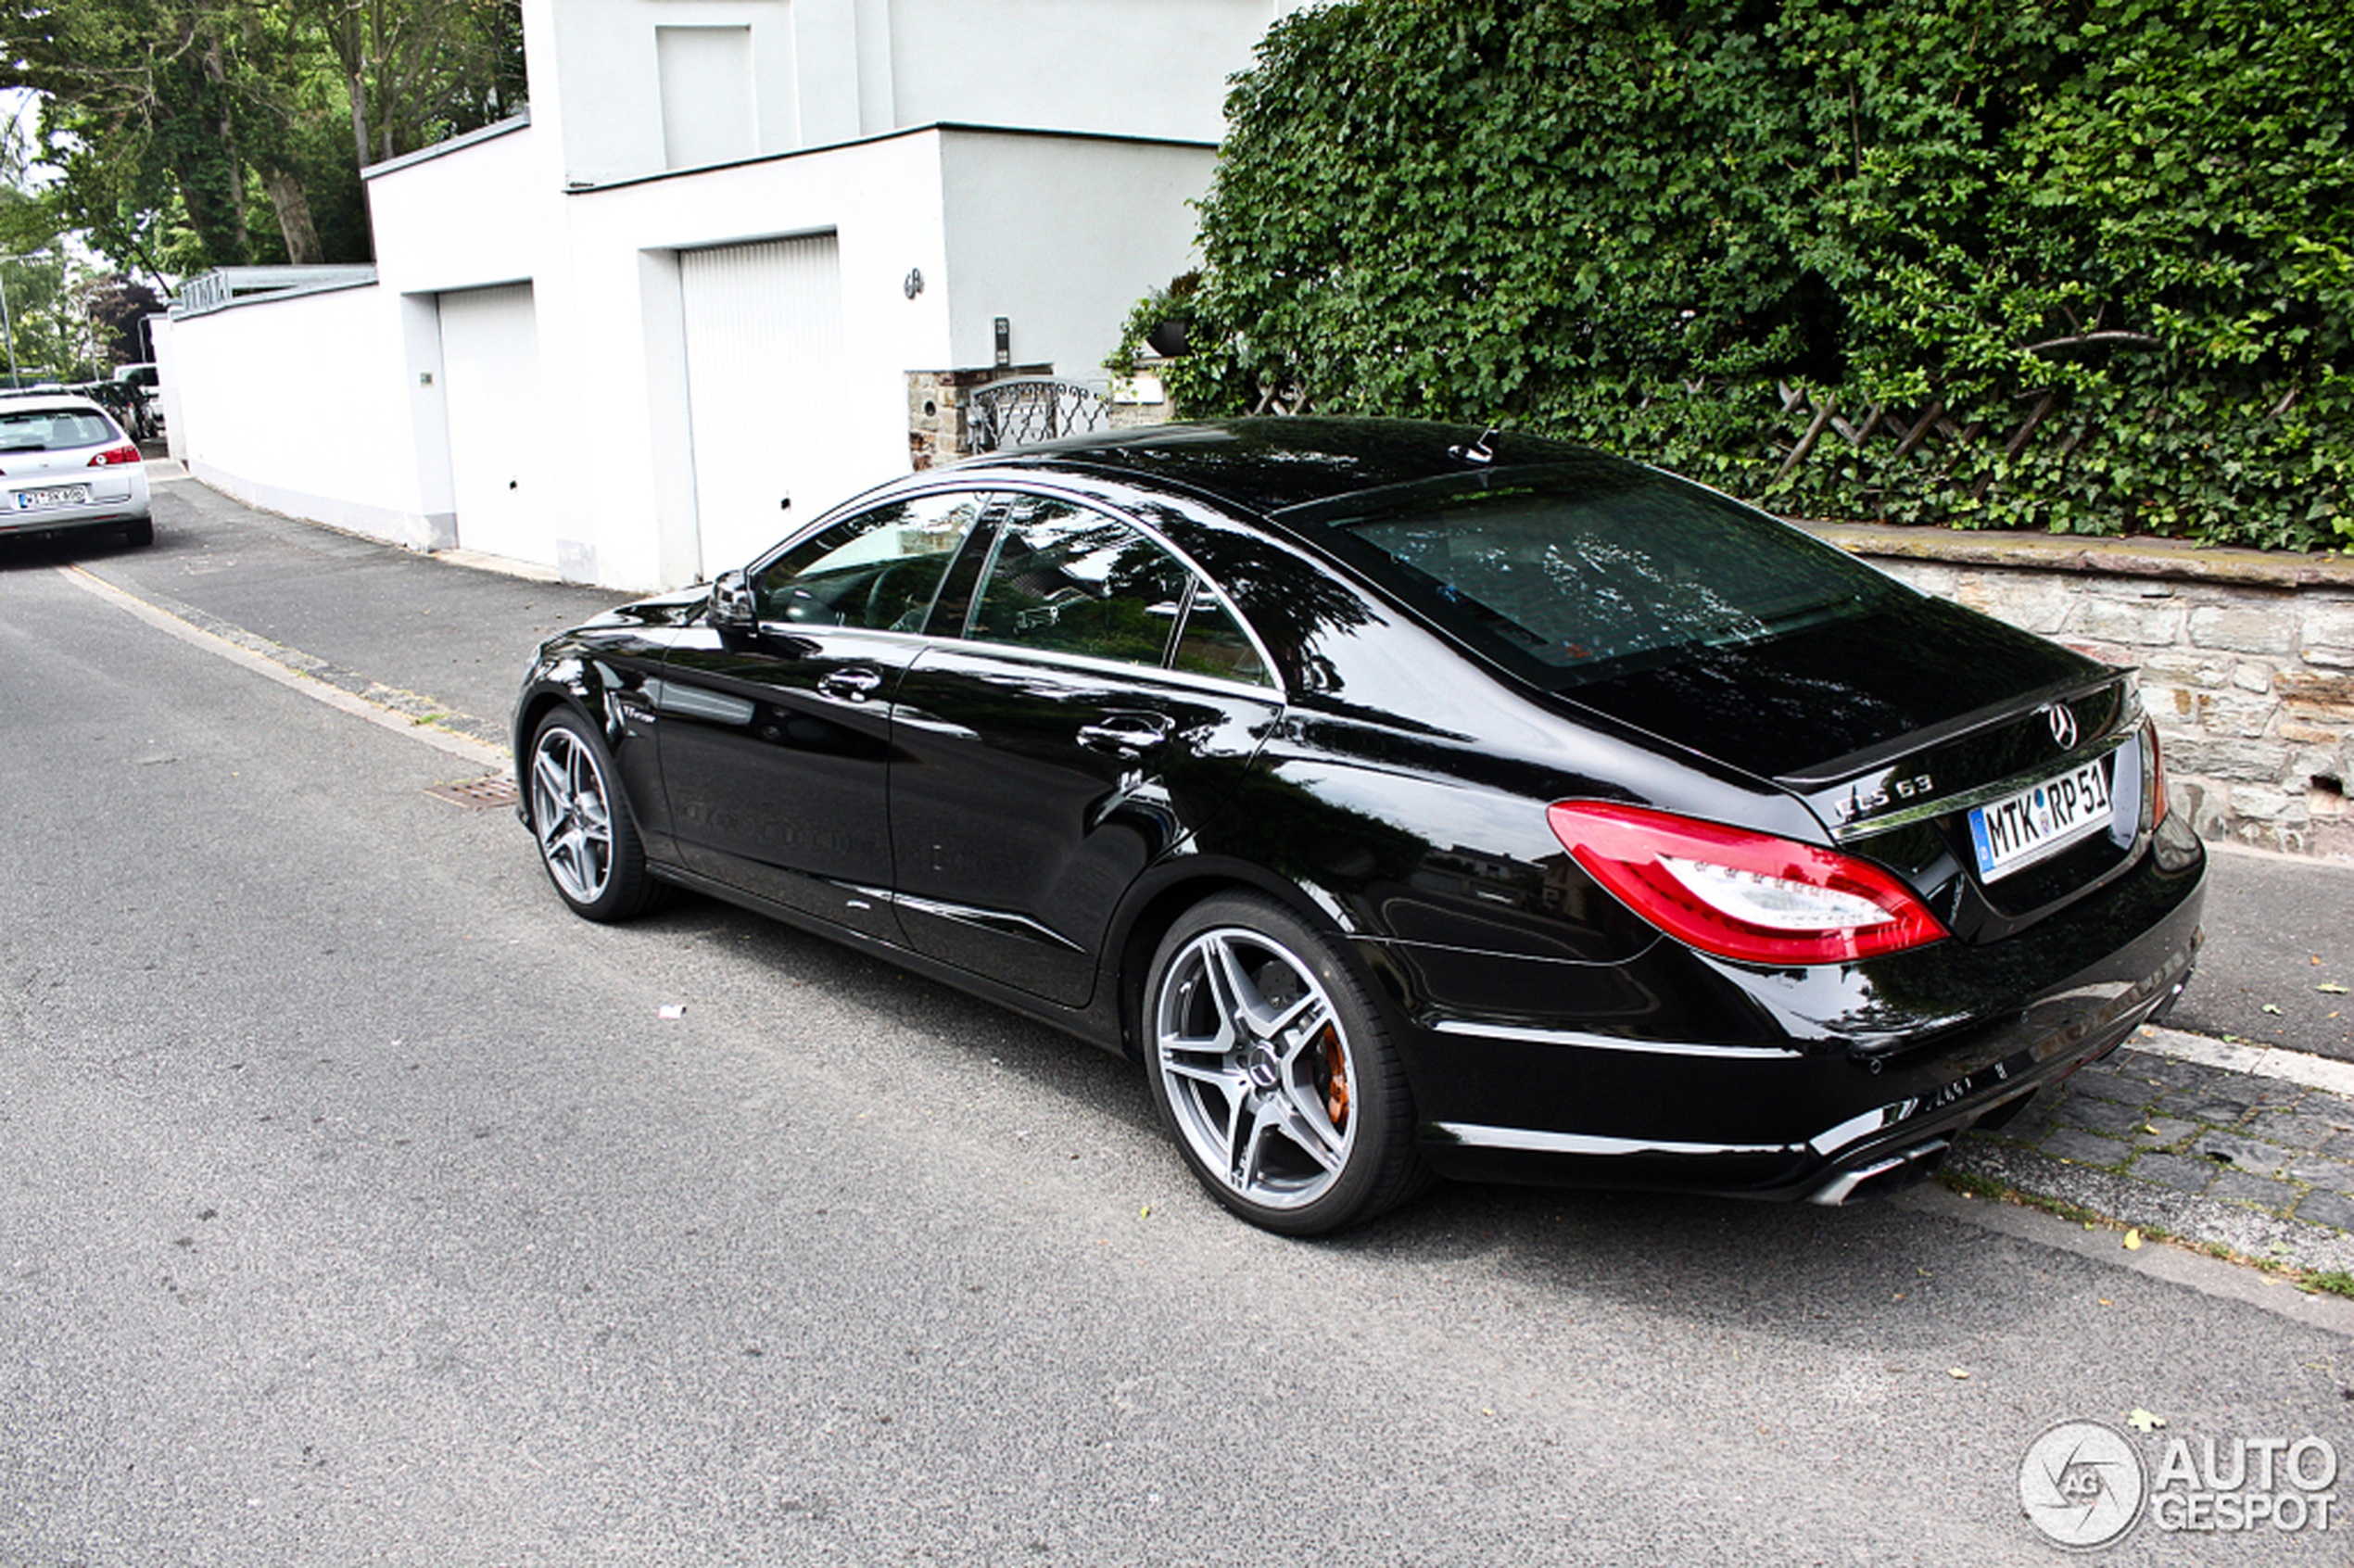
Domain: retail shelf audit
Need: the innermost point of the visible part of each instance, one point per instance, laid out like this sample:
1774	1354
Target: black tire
1275	1071
139	531
580	820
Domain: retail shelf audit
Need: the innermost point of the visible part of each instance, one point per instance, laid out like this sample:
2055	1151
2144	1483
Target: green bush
2095	262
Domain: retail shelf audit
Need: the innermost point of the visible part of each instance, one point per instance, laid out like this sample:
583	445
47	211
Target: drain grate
477	794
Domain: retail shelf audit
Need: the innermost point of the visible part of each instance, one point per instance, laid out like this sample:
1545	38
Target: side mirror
732	607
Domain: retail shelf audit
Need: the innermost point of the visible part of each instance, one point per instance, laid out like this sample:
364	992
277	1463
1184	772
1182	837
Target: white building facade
638	334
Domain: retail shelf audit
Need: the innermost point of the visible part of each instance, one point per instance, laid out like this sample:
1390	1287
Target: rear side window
1213	643
1065	580
1567	573
1072	581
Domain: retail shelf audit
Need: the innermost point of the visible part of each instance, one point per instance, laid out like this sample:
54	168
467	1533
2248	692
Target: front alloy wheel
1273	1068
586	838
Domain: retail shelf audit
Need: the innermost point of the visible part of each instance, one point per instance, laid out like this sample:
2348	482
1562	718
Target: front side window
881	569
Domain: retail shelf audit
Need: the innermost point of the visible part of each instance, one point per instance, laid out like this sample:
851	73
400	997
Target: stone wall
939	428
2247	658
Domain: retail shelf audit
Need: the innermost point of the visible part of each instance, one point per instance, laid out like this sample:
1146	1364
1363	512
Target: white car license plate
53	495
2042	819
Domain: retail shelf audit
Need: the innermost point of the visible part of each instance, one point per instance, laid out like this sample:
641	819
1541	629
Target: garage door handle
853	685
1126	734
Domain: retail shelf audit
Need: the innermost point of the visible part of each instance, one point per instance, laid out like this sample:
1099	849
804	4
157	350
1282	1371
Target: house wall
825	72
1051	222
1135	68
881	200
1061	236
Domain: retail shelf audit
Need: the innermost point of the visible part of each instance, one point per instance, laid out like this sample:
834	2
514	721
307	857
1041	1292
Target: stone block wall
938	415
2246	659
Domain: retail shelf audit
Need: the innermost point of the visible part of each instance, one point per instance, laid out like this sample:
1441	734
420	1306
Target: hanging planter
1172	338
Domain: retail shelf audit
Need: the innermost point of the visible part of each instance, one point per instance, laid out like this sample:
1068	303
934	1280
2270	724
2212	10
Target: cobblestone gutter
2247	658
2210	1143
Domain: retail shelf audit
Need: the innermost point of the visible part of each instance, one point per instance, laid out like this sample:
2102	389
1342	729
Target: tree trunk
293	207
359	116
225	125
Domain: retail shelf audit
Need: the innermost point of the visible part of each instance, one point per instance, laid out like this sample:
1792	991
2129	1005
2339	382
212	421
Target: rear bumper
1866	1075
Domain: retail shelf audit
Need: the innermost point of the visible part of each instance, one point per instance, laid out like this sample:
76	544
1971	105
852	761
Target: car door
775	742
1101	701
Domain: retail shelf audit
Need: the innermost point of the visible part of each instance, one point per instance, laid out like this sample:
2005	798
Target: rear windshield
1571	571
51	430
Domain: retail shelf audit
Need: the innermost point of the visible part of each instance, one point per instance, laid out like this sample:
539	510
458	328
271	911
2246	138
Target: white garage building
633	336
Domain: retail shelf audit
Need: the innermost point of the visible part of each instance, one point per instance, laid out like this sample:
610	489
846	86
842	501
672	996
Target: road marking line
465	746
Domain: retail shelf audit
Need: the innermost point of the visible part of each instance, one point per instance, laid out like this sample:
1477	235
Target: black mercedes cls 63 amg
1407	802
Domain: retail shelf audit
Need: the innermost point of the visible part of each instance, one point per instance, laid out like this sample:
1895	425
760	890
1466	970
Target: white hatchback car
66	465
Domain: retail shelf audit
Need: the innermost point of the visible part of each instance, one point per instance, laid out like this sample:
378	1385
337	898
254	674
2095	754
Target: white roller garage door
490	371
764	380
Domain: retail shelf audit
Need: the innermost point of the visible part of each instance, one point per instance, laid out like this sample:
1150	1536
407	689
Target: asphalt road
358	1206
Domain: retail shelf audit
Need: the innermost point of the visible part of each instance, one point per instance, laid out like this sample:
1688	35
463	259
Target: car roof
48	402
1272	465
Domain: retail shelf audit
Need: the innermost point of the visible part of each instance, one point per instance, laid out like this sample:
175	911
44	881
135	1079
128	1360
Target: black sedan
1407	802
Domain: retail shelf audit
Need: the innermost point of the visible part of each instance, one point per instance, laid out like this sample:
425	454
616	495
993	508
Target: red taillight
113	455
1742	895
2157	780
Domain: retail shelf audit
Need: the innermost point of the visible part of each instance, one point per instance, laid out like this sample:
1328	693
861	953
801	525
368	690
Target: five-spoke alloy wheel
586	840
1272	1066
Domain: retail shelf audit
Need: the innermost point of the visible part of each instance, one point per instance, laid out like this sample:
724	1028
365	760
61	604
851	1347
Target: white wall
1060	235
883	201
489	211
1126	67
827	71
597	59
300	406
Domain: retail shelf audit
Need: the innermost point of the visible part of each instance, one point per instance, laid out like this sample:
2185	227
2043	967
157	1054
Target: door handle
1125	735
854	685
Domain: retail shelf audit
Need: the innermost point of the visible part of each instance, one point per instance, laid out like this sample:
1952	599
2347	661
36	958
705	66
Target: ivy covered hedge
2085	267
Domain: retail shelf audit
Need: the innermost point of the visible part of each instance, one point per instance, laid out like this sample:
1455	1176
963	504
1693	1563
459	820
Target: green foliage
2097	261
184	134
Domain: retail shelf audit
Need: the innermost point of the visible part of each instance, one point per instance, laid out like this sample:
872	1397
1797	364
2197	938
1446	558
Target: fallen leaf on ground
2331	990
2132	1241
1960	1372
2270	1007
2141	1421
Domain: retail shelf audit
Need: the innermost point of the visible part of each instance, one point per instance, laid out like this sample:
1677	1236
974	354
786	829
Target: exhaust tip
1883	1176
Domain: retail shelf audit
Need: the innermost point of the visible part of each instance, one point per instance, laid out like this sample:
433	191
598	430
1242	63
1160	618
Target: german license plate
53	495
2042	819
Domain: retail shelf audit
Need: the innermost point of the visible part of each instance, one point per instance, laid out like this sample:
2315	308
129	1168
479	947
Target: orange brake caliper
1336	1078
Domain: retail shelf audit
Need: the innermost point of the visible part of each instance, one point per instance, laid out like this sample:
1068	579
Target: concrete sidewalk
2234	1128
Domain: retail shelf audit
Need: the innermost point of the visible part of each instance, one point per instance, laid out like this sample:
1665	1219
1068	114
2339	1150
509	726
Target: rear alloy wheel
586	840
1270	1065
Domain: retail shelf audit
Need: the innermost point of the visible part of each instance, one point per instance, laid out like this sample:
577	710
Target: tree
248	120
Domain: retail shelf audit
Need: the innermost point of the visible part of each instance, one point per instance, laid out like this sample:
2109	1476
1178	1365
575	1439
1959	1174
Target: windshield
1572	571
